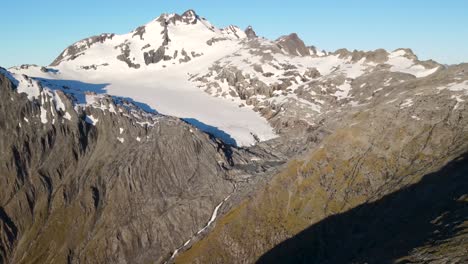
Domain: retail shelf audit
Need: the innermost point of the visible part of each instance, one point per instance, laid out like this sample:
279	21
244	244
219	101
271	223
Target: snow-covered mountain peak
227	81
188	17
167	40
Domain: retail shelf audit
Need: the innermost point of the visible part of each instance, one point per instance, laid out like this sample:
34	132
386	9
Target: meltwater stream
212	219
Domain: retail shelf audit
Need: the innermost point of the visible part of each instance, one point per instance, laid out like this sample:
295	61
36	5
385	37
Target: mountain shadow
428	213
79	89
76	88
216	132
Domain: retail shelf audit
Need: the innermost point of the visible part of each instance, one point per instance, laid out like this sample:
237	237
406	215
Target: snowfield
168	91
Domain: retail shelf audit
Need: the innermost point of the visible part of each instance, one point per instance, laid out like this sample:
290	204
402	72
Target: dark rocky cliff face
116	192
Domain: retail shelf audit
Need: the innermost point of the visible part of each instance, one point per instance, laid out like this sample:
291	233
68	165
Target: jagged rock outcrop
189	17
154	56
125	57
76	50
293	45
293	96
249	31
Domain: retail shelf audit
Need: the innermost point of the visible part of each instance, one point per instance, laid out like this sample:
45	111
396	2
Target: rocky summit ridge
188	143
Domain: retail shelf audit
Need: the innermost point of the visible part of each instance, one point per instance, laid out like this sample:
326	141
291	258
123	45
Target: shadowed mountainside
395	229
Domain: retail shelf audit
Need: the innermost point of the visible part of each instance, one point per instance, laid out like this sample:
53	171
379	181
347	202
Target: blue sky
37	31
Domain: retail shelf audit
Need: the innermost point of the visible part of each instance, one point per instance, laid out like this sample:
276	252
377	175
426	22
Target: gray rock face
293	45
185	57
116	191
155	56
125	57
314	50
188	17
214	40
140	31
377	56
165	34
76	49
93	66
250	33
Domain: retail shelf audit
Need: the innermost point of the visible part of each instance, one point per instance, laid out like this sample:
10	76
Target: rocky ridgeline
294	96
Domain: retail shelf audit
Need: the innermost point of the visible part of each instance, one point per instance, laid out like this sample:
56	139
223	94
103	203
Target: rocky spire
293	45
189	17
250	33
